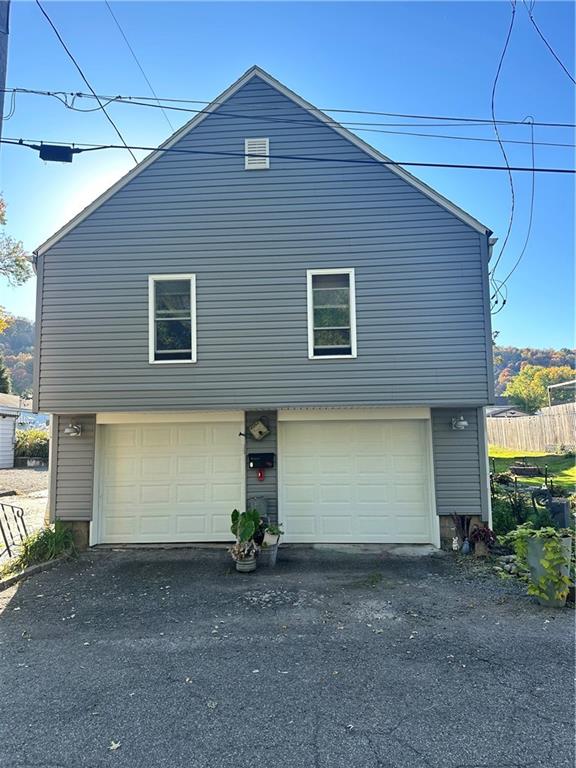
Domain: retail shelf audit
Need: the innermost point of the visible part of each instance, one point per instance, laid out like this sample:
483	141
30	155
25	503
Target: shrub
509	510
42	546
503	519
31	443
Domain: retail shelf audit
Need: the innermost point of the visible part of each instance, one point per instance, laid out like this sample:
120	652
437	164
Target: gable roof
253	72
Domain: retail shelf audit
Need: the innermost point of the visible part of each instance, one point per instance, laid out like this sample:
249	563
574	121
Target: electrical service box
261	460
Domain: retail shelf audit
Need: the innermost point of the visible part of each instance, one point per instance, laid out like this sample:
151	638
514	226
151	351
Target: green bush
503	519
42	546
31	443
509	510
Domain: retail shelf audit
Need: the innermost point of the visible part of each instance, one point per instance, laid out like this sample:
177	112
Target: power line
138	63
221	113
305	158
530	218
480	121
497	132
70	105
12	108
83	76
502	284
546	43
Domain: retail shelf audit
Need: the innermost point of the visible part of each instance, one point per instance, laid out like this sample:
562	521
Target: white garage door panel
365	481
169	482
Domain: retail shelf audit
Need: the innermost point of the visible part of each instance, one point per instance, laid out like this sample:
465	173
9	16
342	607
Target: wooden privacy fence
552	430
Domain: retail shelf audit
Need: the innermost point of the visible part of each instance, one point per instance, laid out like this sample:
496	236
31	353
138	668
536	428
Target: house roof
497	410
254	72
13	403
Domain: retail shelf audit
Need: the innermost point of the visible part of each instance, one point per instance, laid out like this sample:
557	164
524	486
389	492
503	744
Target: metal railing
12	530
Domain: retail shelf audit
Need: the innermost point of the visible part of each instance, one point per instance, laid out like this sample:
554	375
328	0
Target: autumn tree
5	384
529	391
5	319
14	262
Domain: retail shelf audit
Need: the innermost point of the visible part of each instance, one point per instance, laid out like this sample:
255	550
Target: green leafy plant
31	443
274	529
555	582
244	526
42	546
271	534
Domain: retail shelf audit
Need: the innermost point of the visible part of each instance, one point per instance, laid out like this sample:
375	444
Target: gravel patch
34	509
24	481
31	494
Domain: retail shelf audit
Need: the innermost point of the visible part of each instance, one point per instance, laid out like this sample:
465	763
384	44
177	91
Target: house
504	412
12	410
266	307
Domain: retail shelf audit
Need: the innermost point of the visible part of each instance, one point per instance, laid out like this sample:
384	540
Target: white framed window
256	154
331	313
172	318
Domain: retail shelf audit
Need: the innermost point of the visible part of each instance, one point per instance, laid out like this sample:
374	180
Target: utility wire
70	105
305	158
497	132
139	65
531	216
136	99
545	41
83	76
12	108
502	284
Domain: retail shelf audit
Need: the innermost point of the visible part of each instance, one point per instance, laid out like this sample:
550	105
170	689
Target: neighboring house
504	412
270	268
13	409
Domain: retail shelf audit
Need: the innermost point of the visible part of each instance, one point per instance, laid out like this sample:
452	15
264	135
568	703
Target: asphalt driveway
333	659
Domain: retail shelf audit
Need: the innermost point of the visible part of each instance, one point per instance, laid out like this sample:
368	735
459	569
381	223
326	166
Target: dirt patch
30	488
24	481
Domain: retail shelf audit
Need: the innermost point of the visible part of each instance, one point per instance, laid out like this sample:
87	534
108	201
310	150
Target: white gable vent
256	154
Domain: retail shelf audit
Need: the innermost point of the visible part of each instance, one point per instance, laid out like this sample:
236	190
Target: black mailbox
261	460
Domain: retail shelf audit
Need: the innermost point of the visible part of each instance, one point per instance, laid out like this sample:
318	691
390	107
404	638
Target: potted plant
547	553
483	538
269	549
244	550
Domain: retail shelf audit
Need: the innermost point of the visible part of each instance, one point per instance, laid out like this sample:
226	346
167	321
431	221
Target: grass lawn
561	469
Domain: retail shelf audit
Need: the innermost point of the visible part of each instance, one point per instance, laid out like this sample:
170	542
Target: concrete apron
394	550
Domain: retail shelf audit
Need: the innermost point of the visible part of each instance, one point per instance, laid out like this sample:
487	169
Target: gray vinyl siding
460	476
267	488
72	469
250	236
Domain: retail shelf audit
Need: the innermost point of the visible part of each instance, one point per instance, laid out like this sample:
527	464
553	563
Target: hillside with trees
509	360
17	353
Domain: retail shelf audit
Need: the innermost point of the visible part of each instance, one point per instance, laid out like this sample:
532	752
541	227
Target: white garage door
169	482
355	481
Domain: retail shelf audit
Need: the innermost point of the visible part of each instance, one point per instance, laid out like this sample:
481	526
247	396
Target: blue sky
416	58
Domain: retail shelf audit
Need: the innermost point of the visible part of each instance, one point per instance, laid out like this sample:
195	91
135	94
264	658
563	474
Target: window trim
152	280
310	273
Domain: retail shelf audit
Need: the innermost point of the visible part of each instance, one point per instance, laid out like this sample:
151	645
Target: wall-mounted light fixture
460	423
73	430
